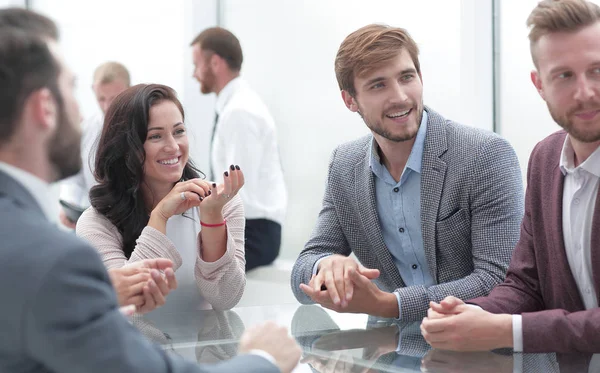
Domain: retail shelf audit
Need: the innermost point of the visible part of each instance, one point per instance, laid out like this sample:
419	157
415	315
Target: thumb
369	273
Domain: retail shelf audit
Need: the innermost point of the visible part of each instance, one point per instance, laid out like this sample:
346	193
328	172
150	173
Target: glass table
336	343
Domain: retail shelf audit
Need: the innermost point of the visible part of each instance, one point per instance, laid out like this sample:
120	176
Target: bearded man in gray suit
59	311
429	207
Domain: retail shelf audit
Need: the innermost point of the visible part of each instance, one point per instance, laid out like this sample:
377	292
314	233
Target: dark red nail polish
226	173
232	167
214	185
237	167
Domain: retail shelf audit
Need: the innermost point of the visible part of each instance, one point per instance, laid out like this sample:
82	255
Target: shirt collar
567	160
38	188
226	93
415	158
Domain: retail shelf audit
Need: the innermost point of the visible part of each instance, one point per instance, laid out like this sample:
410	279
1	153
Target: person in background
110	79
244	131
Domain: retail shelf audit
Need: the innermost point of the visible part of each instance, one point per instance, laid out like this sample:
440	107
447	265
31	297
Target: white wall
150	38
289	49
11	3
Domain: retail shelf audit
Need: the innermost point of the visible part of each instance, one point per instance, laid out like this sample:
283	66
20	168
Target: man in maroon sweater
549	300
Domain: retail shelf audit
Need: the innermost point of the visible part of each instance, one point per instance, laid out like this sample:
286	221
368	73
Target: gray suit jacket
59	311
471	210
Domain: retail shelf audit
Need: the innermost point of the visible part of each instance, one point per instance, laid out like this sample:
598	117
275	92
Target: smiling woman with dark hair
152	203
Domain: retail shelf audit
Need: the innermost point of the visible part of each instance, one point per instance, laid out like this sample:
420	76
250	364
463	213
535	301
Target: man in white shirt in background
110	79
244	133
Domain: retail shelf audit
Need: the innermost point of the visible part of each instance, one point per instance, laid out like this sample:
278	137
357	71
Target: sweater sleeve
222	282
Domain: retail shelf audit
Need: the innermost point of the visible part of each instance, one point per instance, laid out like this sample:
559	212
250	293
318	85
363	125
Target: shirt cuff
316	266
399	308
264	355
517	324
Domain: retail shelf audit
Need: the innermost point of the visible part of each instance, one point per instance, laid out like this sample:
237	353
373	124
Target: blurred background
474	58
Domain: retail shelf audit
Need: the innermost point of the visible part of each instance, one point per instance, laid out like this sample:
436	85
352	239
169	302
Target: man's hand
65	220
141	283
274	340
470	329
333	274
447	307
366	298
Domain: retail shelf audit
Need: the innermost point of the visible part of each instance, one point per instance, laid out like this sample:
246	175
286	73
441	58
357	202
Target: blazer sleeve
222	282
326	239
520	292
72	324
496	211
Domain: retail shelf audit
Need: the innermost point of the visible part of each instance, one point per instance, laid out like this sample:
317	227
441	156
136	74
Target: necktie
212	140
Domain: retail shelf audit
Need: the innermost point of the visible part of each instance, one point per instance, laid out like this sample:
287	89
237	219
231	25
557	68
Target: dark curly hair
120	158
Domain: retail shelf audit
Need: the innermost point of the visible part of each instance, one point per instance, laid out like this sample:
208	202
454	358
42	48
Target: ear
350	101
537	82
42	109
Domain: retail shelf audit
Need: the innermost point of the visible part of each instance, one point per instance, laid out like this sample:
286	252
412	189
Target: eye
407	77
156	136
377	85
180	131
565	75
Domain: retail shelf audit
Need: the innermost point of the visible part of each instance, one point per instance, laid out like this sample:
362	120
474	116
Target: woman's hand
182	197
220	194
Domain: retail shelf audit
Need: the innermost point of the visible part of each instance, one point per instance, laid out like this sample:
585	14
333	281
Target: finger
226	183
134	279
171	279
319	280
156	294
136	300
161	283
233	175
436	325
331	288
432	315
307	290
451	302
369	273
359	280
158	263
149	303
203	185
241	178
214	190
348	285
338	278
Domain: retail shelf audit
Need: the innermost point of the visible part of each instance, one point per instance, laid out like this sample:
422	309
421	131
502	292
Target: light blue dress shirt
399	212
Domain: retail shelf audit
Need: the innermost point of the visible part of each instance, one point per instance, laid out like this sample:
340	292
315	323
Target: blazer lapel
558	241
365	195
433	173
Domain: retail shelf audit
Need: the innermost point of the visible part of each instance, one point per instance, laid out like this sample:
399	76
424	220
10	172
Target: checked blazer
471	210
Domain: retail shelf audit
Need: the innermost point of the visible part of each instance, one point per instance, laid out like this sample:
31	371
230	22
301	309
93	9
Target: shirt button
401	230
414	266
576	201
588	290
396	189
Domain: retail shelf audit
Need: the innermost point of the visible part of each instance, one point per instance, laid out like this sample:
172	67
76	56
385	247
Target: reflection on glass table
337	343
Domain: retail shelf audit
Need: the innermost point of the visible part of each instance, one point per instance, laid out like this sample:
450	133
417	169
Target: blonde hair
369	48
109	72
551	16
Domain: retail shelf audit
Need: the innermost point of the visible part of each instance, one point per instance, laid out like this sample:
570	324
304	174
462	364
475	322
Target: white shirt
246	136
579	200
38	188
76	189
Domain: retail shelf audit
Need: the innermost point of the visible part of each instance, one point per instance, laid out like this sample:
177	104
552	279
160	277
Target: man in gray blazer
59	311
428	207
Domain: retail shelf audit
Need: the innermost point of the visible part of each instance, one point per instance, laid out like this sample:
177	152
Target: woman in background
151	203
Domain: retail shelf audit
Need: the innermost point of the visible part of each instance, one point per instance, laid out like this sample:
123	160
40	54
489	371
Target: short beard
567	125
64	148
